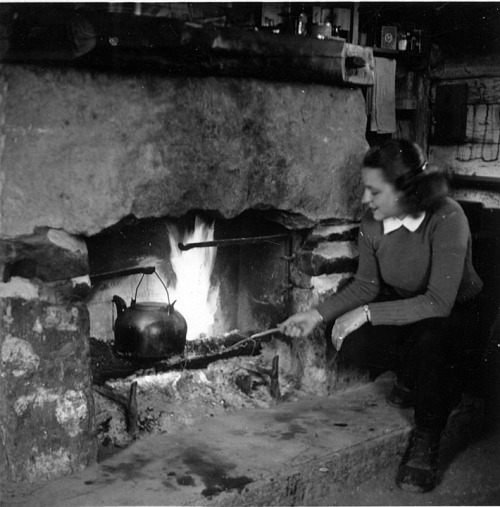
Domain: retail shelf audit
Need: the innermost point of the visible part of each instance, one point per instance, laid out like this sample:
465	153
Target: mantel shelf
405	58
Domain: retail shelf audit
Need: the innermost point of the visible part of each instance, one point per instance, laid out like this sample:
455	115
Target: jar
302	23
402	43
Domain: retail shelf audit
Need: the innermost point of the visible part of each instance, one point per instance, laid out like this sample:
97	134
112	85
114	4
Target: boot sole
412	488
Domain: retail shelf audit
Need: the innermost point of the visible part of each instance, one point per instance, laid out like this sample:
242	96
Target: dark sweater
426	271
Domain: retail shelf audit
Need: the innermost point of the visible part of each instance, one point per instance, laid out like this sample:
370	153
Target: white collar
411	223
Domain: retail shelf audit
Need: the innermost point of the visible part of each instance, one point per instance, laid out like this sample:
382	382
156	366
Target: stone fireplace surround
84	153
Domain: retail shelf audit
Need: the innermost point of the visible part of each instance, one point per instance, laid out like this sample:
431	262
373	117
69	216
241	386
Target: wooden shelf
475	182
388	53
406	58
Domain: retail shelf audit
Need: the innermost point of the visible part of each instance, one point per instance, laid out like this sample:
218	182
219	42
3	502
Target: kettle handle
166	290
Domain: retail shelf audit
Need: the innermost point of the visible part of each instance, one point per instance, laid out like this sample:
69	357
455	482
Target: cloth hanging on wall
383	107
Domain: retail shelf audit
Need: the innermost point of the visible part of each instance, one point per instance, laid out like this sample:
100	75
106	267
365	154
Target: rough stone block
326	285
46	402
48	254
330	232
329	257
74	158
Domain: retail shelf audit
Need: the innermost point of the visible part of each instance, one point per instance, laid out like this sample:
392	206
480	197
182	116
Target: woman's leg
430	356
424	356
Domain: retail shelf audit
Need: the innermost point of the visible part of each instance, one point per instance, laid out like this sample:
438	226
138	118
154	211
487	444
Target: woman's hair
404	166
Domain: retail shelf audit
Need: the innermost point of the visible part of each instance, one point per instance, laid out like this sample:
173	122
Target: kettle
148	330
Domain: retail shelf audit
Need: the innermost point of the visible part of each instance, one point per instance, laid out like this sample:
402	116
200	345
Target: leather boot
418	469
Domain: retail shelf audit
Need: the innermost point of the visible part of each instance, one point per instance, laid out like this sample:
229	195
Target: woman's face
379	195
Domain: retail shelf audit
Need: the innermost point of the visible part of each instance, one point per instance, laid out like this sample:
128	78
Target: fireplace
222	274
99	171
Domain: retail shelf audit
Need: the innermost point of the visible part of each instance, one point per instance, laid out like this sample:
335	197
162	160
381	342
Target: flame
196	299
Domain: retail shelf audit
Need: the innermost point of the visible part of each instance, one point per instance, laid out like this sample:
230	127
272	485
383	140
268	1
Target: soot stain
186	480
238	433
105	478
128	471
168	484
270	434
263	433
227	484
360	410
297	428
284	417
293	430
213	473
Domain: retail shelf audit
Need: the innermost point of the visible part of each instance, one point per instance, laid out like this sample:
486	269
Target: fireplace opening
221	274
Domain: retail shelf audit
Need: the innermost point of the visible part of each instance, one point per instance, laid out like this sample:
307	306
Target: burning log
232	345
198	354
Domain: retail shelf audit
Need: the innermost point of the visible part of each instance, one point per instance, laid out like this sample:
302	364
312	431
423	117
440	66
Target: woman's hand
346	324
301	324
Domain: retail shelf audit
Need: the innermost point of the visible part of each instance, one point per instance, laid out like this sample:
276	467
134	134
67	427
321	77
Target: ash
170	401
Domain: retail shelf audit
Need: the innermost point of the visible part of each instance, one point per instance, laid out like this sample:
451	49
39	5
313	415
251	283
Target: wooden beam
481	90
141	43
467	68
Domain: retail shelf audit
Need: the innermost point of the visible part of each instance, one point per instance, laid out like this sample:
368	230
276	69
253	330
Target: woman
407	308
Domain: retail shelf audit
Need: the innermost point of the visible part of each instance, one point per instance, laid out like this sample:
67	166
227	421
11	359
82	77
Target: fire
196	298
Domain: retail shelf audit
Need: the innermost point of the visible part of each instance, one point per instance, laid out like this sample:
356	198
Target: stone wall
47	410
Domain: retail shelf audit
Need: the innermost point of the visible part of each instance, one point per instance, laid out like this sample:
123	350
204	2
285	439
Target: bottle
413	42
302	22
402	42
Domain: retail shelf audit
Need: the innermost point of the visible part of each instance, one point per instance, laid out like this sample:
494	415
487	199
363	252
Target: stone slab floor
340	450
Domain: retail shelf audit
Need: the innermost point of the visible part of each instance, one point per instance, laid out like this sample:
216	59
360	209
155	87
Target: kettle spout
170	308
120	304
